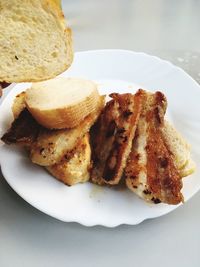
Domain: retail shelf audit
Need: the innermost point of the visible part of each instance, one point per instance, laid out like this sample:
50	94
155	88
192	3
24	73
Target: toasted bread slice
179	149
74	167
35	44
177	145
62	102
151	172
112	137
52	145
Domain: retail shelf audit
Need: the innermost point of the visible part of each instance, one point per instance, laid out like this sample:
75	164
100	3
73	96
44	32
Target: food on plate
51	145
62	102
48	146
112	137
74	167
23	131
35	44
78	139
151	171
158	158
58	149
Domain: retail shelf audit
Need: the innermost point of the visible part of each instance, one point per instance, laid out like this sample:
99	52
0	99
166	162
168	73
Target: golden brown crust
47	76
23	131
74	167
156	177
112	137
163	177
47	147
128	136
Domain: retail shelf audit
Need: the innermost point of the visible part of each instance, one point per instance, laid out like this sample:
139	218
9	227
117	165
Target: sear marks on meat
112	135
150	171
24	130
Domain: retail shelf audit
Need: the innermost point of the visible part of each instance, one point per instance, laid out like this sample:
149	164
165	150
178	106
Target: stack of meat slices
132	142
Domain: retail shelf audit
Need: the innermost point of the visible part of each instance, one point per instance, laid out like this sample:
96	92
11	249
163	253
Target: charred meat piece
112	135
151	172
24	130
2	86
74	167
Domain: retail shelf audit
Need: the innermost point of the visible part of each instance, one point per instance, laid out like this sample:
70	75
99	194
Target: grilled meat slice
112	136
74	167
24	130
151	172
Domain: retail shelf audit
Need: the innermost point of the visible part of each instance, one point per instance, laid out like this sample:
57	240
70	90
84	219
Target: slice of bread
177	145
112	136
35	45
180	150
62	102
74	168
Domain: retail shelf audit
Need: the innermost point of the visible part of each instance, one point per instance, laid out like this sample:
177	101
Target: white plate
115	71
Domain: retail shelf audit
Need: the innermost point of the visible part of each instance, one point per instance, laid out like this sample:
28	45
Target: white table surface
166	28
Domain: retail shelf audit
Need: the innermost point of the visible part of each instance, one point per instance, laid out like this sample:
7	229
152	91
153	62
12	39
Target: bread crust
41	72
66	117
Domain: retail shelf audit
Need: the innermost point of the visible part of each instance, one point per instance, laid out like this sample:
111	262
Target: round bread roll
62	102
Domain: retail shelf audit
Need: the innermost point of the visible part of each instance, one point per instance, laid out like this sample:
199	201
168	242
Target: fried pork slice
74	167
112	135
23	131
151	172
52	145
